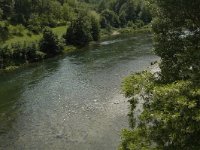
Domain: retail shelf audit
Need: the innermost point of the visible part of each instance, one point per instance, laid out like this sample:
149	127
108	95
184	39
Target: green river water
72	102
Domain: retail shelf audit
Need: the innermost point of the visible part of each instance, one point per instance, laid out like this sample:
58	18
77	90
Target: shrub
95	31
109	17
79	32
83	30
17	30
34	28
20	53
139	23
50	44
4	31
130	24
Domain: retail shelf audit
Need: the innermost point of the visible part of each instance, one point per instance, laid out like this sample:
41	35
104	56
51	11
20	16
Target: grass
34	37
59	31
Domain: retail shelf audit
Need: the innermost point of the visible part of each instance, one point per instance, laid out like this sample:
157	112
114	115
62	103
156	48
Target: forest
31	31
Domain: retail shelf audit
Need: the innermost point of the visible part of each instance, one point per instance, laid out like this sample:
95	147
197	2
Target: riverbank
72	101
59	31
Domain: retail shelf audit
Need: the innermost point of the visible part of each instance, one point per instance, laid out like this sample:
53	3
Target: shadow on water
115	49
12	86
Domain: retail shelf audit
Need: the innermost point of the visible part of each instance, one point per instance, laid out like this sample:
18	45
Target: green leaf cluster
170	117
84	29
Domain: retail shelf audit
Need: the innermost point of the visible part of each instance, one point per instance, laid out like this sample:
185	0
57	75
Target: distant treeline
39	13
35	14
82	18
122	13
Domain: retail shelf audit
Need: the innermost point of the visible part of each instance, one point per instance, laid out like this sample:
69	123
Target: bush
95	31
1	13
4	31
109	17
170	114
130	24
34	24
139	23
19	53
34	29
83	30
29	33
17	30
50	44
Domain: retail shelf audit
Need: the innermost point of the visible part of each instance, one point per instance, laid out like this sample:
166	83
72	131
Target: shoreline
72	49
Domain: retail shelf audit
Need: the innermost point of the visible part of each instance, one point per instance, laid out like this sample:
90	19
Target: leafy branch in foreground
170	117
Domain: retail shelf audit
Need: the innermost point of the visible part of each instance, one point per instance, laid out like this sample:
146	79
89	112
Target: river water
72	102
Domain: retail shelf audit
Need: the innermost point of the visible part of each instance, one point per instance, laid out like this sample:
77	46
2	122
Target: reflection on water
12	87
72	102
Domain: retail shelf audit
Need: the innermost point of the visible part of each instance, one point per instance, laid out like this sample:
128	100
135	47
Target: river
72	102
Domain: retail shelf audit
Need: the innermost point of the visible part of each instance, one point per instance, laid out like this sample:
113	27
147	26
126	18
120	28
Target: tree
145	15
95	31
4	32
170	117
170	101
131	11
109	18
176	38
83	30
1	13
95	24
68	12
7	6
22	11
122	18
50	44
78	32
102	6
56	10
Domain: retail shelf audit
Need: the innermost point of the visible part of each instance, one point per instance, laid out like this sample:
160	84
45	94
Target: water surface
72	102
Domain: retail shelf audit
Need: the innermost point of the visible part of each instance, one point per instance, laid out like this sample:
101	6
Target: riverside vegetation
31	31
170	100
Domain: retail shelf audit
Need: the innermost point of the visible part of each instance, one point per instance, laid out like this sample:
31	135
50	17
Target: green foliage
19	53
176	38
170	116
27	49
4	31
35	15
50	44
118	13
145	15
1	13
68	12
83	30
95	30
102	6
24	20
7	6
109	18
78	32
17	30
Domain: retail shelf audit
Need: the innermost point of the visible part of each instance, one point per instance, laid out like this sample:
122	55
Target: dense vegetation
84	29
171	99
123	13
83	20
